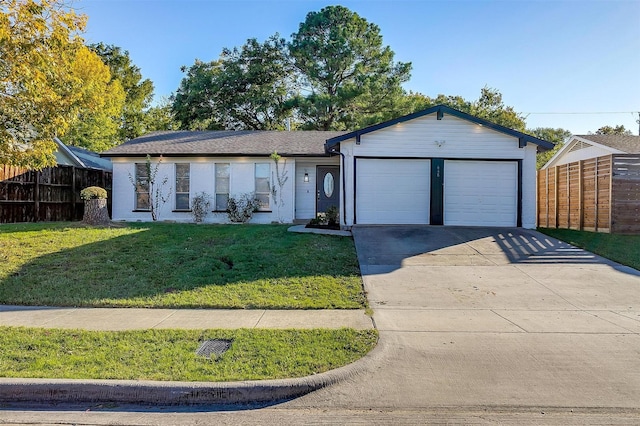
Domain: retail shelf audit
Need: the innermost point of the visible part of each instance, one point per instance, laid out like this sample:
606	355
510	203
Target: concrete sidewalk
140	318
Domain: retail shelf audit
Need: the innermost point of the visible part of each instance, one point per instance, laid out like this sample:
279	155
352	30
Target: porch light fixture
306	177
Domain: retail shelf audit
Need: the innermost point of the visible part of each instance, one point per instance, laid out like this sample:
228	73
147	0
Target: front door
327	188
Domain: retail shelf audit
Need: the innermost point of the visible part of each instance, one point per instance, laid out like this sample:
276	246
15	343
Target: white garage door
392	191
480	193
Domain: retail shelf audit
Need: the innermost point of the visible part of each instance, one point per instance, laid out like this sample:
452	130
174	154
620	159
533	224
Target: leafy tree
246	88
193	105
139	92
609	130
46	79
488	106
491	107
333	74
457	102
96	128
255	85
414	101
336	75
346	72
557	136
159	117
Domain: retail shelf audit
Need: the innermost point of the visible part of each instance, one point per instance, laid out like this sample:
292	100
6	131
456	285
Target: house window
222	186
142	187
262	184
182	186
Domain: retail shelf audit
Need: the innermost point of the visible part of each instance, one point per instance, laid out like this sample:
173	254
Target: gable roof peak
629	144
440	111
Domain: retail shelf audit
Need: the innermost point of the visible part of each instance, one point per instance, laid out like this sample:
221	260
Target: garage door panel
480	193
392	191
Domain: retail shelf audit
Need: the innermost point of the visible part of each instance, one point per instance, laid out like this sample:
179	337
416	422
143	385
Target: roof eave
72	156
184	154
440	110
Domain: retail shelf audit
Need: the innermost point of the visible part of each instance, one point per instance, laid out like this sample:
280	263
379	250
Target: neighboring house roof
440	110
80	157
628	144
614	144
225	143
90	159
66	157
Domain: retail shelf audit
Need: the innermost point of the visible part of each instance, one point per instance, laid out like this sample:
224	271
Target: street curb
179	393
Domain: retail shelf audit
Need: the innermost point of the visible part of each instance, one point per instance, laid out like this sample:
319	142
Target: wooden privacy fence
599	194
51	194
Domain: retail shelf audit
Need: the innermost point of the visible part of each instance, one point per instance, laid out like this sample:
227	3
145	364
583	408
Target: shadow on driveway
413	245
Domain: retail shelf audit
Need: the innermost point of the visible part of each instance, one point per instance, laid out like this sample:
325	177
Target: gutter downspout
344	185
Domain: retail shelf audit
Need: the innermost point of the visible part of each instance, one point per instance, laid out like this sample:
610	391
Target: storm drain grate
215	347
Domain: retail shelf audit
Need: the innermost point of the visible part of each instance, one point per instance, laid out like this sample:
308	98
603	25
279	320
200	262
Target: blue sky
571	57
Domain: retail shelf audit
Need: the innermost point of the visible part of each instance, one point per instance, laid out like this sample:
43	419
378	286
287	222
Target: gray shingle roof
91	159
626	143
225	143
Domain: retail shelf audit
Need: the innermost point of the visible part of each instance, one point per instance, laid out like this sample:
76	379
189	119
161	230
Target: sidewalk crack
264	311
508	320
66	313
165	318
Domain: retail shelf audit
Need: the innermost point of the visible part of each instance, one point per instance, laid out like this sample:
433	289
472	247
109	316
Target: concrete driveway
474	317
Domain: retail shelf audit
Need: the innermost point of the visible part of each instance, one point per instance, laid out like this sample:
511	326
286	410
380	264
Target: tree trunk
95	212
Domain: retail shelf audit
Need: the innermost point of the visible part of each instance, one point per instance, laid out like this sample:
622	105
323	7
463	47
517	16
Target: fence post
568	196
580	196
596	194
36	196
611	193
555	198
546	181
73	193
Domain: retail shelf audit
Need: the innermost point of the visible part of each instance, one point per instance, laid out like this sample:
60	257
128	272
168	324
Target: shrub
316	221
328	219
93	192
200	206
332	216
241	208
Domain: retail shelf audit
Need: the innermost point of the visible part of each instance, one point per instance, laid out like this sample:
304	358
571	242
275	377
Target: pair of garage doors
400	191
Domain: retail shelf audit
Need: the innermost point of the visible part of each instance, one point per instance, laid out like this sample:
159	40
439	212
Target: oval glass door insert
328	185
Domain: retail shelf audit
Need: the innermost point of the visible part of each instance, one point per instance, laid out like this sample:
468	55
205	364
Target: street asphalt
477	326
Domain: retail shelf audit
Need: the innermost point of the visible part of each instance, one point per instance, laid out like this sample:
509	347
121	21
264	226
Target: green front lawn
170	354
624	249
177	266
